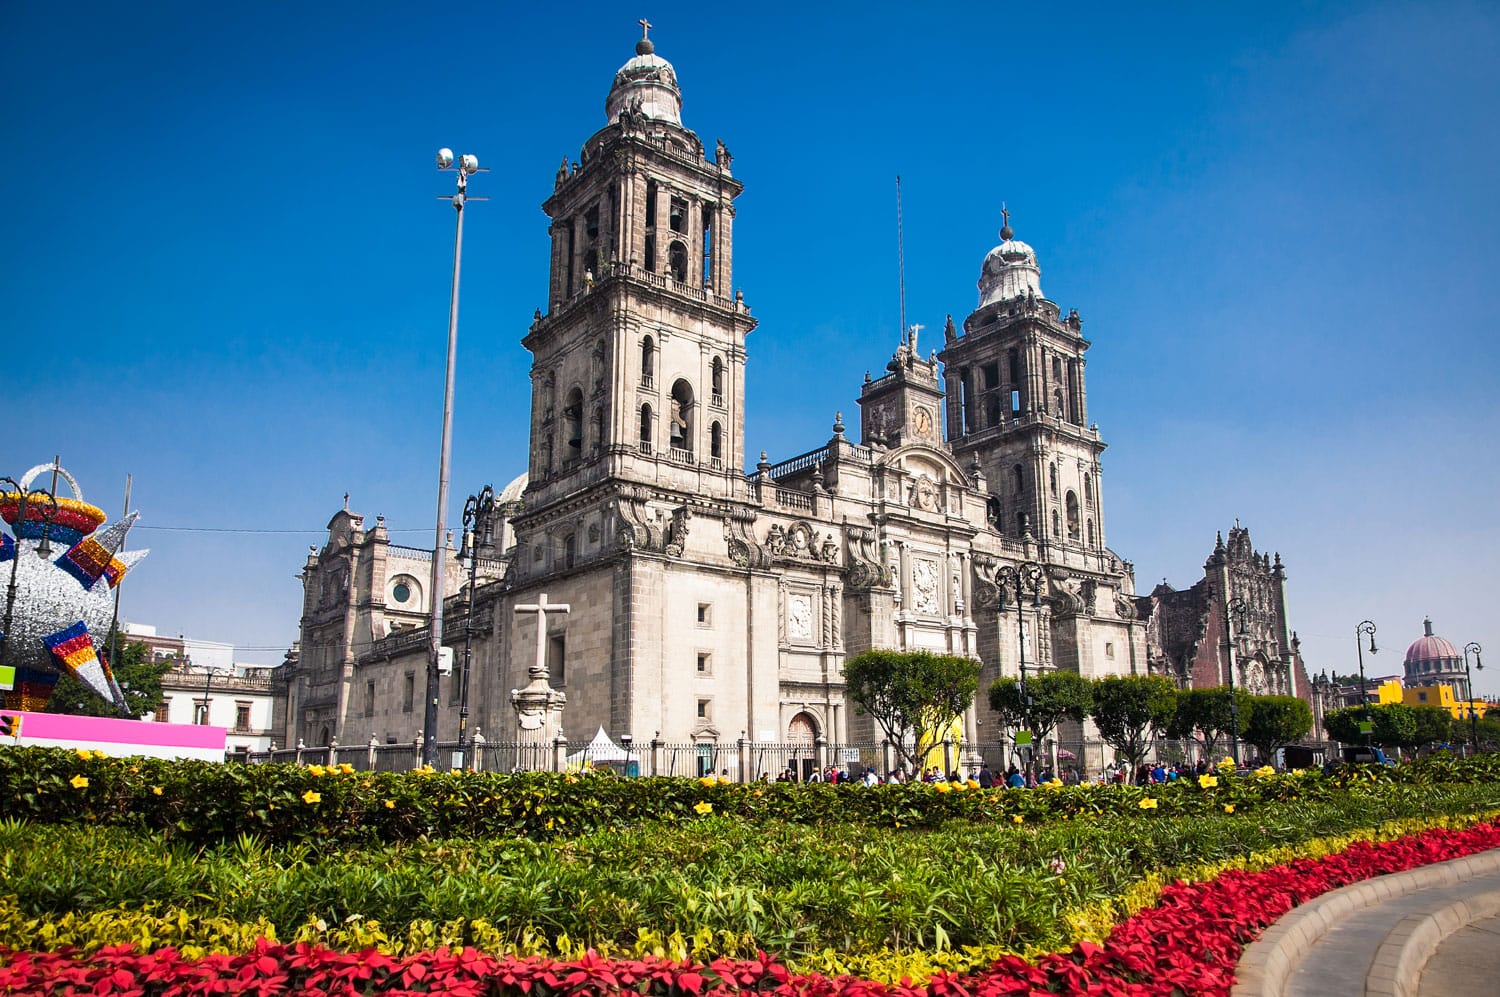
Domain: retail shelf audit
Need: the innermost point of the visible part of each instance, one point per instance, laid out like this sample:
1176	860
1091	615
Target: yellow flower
390	804
960	786
704	807
1208	781
1265	770
1054	784
1019	818
942	787
1226	763
725	779
85	754
1148	804
709	780
155	790
311	797
346	768
972	784
79	782
1229	808
315	770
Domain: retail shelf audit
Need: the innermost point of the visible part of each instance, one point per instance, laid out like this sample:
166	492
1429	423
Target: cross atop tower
646	27
1006	232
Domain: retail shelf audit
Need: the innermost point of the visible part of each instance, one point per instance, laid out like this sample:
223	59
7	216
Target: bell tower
1016	402
638	362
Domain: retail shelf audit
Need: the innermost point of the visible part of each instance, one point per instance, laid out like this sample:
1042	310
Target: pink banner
58	727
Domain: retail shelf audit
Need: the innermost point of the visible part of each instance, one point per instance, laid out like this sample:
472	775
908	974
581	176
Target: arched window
1056	524
645	429
995	513
677	259
1091	534
1057	403
1019	477
716	441
1052	478
573	424
1088	490
648	362
1074	526
717	373
681	428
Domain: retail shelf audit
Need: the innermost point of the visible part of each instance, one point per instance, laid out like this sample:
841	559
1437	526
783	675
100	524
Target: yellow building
1442	695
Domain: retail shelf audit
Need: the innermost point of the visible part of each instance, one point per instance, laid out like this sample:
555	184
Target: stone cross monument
539	706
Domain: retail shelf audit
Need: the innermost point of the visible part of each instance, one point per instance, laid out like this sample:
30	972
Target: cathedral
713	595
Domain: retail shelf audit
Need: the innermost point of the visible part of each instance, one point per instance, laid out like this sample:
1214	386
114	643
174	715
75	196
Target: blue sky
227	267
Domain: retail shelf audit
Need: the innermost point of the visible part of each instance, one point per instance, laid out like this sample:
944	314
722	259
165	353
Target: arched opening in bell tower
573	424
681	429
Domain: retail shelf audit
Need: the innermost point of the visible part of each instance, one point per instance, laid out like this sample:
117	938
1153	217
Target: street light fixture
1365	627
478	516
1472	647
1237	611
1024	577
466	167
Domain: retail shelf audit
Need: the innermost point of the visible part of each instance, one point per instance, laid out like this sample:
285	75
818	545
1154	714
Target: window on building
705	614
241	716
1013	360
681	429
648	362
570	550
1052	478
716	442
1109	649
1056	524
1074	523
703	662
703	709
708	246
557	658
369	699
163	710
645	429
651	204
677	259
573	424
716	375
408	691
650	261
677	216
203	707
1088	490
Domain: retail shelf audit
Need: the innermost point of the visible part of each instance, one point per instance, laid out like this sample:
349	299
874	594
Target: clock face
923	420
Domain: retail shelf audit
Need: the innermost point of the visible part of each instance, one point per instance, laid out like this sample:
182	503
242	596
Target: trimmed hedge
204	803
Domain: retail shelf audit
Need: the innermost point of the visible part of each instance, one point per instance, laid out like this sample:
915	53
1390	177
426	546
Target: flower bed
1187	943
205	803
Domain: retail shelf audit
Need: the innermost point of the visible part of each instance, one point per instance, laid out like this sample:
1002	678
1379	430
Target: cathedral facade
712	594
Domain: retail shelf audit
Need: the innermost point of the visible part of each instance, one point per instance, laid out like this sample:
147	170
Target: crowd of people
1117	773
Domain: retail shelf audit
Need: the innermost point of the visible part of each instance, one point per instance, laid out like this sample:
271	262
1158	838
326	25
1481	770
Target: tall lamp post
478	515
1472	647
466	167
1237	612
1023	577
1365	627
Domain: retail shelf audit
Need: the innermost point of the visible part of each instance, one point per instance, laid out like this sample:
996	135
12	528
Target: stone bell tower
638	369
1016	401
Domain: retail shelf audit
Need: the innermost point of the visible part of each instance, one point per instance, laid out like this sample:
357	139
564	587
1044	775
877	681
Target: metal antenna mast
900	258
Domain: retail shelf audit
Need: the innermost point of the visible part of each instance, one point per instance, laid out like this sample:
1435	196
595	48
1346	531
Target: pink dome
1429	647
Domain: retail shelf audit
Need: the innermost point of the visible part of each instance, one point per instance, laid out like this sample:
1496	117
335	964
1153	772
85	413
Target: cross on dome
1006	232
644	46
646	27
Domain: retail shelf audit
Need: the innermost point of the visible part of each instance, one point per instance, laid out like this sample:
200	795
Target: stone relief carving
925	579
739	551
800	542
924	493
799	617
677	531
1124	606
986	593
865	568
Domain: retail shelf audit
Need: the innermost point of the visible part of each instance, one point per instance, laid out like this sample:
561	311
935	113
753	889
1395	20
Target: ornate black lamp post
1472	647
479	513
1237	612
1365	627
1023	577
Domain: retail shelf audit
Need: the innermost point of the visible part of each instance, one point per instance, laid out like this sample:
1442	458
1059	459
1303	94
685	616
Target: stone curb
1268	962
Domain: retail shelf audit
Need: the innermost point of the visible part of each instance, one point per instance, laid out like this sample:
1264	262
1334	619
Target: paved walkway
1377	937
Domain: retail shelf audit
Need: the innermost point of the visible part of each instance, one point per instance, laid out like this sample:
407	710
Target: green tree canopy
1055	697
1132	710
1431	725
1205	715
1276	721
139	678
1394	724
911	693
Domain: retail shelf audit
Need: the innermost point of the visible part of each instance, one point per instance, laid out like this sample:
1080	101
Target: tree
1205	716
1276	721
1394	724
1431	725
1055	697
911	692
139	678
1133	710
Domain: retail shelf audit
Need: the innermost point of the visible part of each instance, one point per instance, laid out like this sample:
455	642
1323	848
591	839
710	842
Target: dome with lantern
1010	270
646	85
1433	660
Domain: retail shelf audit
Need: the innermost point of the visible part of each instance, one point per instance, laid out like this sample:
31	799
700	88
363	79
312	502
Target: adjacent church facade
714	594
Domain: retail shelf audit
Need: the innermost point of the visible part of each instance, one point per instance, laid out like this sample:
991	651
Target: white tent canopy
600	749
